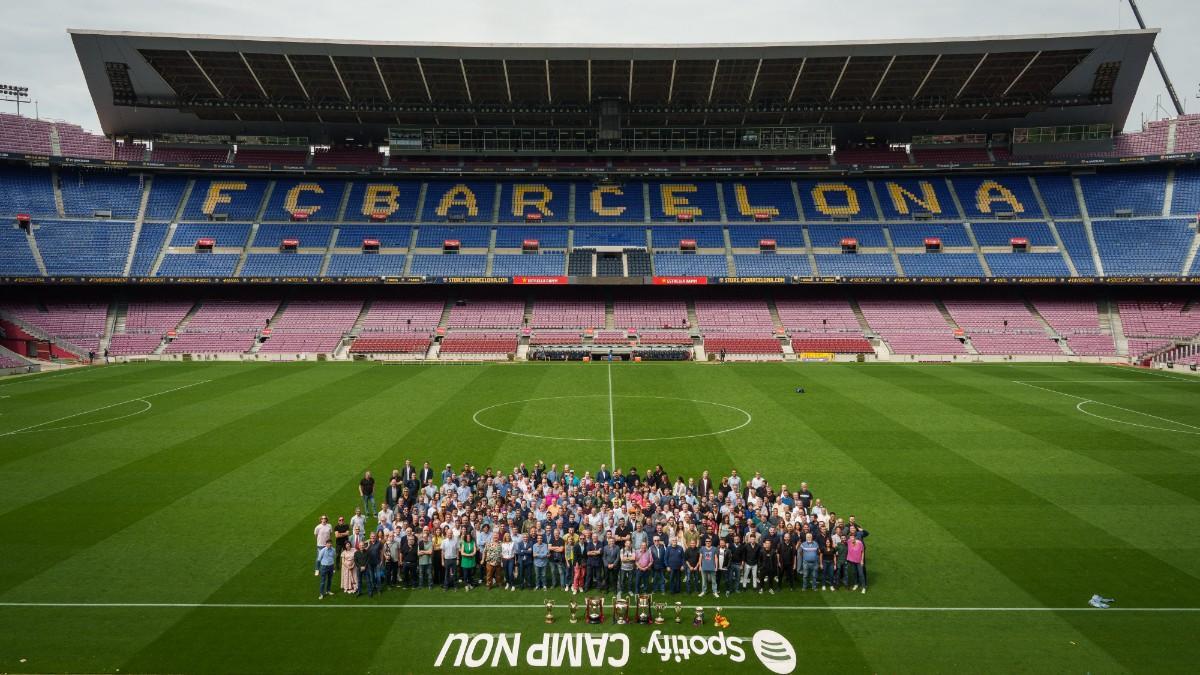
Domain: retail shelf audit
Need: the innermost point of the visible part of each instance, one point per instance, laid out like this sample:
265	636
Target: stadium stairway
241	263
1058	241
983	263
13	356
110	324
954	324
891	247
1111	315
1087	226
1190	259
610	317
180	326
147	184
37	253
58	198
1053	334
258	344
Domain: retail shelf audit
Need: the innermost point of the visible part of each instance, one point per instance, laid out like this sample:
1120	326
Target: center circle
730	418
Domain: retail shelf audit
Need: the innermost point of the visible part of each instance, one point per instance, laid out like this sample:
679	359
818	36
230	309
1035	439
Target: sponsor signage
773	651
541	281
680	281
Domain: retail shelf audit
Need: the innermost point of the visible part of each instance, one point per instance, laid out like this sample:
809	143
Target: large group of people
543	527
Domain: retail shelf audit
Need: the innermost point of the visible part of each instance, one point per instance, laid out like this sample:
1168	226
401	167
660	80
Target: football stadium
841	356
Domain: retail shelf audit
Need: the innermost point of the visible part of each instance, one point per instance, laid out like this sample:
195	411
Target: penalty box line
779	608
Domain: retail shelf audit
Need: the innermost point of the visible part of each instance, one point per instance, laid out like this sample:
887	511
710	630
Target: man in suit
408	477
394	491
603	476
426	474
659	565
706	485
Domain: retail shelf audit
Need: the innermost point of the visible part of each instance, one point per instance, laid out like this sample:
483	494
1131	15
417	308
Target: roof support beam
549	93
206	77
671	86
799	72
845	65
971	76
936	60
467	85
379	71
712	85
1020	74
303	89
754	82
630	96
421	69
507	87
345	89
589	80
254	76
882	78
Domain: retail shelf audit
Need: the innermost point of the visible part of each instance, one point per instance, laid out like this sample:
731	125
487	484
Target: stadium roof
148	83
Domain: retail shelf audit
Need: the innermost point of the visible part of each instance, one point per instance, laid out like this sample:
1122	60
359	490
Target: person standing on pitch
810	563
366	490
708	568
349	572
325	559
324	534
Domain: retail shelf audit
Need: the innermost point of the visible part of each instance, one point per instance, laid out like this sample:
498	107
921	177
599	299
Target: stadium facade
259	198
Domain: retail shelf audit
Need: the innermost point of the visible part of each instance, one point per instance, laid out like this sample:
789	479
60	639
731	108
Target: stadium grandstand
251	198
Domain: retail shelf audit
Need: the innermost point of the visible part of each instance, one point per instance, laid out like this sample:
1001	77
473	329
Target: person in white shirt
358	521
324	534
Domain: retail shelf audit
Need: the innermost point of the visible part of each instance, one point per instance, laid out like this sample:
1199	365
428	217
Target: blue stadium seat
771	265
1074	237
150	242
449	265
282	265
367	197
900	198
1000	233
226	234
85	192
830	236
320	199
610	236
16	259
433	236
700	197
668	237
855	265
1142	192
823	200
165	193
748	236
545	263
472	201
198	265
982	197
680	264
1059	194
511	236
622	202
209	196
743	199
26	191
1186	199
365	265
1027	264
914	234
84	248
940	265
310	236
556	195
388	236
1142	246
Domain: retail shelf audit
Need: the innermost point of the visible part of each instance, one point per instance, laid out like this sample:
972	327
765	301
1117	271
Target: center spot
637	418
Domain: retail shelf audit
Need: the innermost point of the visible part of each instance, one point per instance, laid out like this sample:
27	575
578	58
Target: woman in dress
349	571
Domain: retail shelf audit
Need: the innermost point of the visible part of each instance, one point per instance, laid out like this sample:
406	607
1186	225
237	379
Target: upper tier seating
772	265
395	201
902	198
983	197
388	236
318	200
236	198
282	265
831	199
84	249
85	192
697	198
165	193
855	265
1059	194
198	265
449	265
940	264
1142	246
16	258
1142	192
27	191
466	200
913	235
545	263
679	264
549	199
366	265
744	200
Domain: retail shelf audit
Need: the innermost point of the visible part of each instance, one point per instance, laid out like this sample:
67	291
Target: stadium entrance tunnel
631	419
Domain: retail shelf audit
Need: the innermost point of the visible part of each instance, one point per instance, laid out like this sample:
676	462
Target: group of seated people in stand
546	528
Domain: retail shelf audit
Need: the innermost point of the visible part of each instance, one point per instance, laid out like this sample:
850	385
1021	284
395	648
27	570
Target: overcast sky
39	53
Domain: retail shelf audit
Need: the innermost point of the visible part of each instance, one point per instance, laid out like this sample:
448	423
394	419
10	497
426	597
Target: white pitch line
612	423
106	407
1084	401
370	605
38	377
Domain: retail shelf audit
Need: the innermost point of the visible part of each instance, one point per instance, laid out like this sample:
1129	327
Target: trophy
643	608
549	610
660	611
678	612
620	611
574	607
594	610
699	620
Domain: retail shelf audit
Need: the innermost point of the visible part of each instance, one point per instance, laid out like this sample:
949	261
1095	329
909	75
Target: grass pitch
158	518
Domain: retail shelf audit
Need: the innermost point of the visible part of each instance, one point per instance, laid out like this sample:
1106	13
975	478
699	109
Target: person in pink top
856	553
644	561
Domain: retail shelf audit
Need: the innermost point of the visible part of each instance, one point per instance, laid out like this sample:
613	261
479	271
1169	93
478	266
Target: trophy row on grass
645	611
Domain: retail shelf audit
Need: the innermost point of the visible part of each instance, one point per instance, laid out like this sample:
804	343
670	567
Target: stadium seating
1141	192
366	265
146	323
749	236
1161	318
449	265
771	265
472	201
282	265
997	233
664	337
1186	199
189	155
392	201
910	326
78	324
389	315
555	337
1079	322
817	315
22	134
84	248
1001	326
549	313
1142	246
513	236
743	346
940	264
1027	264
198	265
1074	237
318	200
27	191
609	236
902	198
618	202
365	157
831	236
479	344
224	234
434	236
16	258
745	200
388	236
311	326
85	192
680	264
309	236
827	200
983	197
165	193
832	345
633	313
550	200
223	327
411	343
1058	192
855	265
913	235
473	313
734	316
238	199
668	238
545	263
258	156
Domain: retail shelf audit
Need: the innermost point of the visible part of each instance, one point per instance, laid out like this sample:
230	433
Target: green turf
979	492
